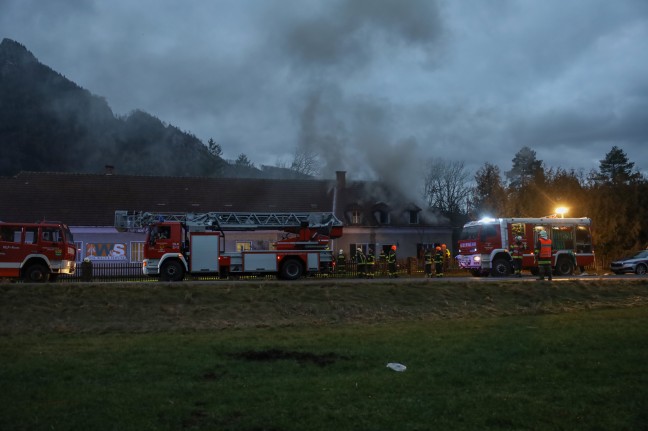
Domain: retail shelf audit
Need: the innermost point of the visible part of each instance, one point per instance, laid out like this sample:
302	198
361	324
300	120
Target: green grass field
313	357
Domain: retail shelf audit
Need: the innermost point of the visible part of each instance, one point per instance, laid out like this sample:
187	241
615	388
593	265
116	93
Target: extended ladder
133	220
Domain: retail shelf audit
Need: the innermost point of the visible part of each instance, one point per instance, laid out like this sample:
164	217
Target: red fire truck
36	252
484	245
188	243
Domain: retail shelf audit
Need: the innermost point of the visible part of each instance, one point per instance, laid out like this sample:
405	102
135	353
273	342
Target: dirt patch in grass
271	355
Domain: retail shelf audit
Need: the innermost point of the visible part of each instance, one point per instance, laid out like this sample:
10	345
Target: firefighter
438	261
361	261
382	261
517	251
543	255
446	257
391	262
428	262
341	262
371	264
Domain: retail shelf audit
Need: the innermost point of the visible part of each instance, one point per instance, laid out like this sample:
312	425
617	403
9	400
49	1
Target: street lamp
561	211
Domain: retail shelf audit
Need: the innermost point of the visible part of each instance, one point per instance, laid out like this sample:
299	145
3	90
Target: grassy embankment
238	356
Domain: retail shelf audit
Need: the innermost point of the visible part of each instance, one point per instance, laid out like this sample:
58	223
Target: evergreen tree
489	195
243	161
615	168
214	148
525	168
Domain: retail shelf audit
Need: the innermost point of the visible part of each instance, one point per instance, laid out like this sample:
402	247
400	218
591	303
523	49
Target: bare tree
447	186
305	162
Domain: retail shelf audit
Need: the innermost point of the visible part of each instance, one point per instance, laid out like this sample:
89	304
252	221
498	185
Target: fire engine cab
36	252
194	243
485	245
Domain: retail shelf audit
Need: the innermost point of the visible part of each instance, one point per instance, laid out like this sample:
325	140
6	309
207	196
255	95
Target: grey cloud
377	86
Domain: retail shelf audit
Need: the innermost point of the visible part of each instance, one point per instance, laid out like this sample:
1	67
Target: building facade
375	217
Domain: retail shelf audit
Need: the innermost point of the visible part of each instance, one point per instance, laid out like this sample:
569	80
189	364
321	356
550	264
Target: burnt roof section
92	199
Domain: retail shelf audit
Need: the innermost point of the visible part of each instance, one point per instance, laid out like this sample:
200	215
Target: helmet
518	238
393	247
543	234
443	246
341	251
87	259
438	248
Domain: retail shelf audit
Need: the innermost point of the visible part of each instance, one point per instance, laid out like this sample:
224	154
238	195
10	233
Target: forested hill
48	123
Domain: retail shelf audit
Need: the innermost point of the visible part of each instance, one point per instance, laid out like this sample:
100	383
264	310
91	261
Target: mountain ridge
49	123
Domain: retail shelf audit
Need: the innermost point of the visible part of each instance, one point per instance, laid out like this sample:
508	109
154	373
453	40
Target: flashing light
561	211
487	220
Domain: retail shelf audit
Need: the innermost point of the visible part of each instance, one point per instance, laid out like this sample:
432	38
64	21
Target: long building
374	216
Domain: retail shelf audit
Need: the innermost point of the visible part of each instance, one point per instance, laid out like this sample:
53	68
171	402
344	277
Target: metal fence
106	272
410	267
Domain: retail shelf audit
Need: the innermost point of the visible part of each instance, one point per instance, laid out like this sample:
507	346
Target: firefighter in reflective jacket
371	264
391	262
446	257
439	256
428	262
341	262
543	255
517	251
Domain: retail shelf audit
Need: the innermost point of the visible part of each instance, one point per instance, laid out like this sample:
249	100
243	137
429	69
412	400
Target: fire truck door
11	251
50	243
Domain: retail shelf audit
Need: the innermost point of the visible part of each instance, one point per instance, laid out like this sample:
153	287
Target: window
583	240
562	237
136	251
356	217
382	216
51	234
10	233
413	217
517	229
365	247
488	231
31	235
243	246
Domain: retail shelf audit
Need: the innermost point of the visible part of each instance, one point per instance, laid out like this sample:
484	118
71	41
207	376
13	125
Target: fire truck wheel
292	269
565	266
172	271
36	273
501	268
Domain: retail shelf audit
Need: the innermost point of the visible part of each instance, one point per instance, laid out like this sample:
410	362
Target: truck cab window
10	234
488	231
51	235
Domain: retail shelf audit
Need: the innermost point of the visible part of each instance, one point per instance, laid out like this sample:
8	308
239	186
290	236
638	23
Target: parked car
637	263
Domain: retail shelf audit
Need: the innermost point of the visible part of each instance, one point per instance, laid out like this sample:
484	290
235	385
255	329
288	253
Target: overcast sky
376	87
